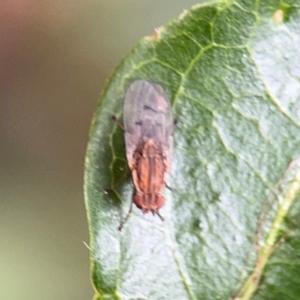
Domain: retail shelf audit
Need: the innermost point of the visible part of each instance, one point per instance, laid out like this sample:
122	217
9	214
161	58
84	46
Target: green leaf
231	226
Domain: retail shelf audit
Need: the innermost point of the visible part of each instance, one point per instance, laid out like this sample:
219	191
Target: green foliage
231	69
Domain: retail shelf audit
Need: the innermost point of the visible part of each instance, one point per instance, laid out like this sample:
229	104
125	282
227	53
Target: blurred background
55	56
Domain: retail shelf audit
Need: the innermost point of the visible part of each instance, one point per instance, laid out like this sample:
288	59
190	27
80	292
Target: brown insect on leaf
148	125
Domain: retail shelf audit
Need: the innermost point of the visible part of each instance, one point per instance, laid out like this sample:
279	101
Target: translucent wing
147	116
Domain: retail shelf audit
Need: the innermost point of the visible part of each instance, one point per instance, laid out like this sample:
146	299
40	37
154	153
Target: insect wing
147	116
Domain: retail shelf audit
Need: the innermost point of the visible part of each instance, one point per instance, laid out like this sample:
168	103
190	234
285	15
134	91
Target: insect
148	125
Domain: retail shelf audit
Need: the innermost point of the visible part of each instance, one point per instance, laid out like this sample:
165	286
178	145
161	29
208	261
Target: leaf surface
231	69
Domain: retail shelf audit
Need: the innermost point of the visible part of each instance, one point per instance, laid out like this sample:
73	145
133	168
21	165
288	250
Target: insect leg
160	216
127	217
114	118
119	182
168	187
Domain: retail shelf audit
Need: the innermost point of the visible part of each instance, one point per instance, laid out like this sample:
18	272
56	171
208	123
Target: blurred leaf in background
231	69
